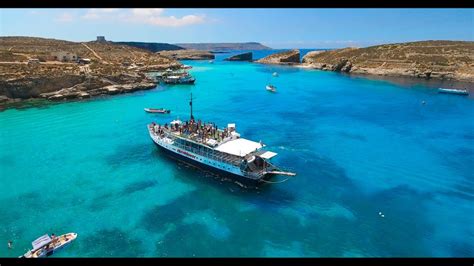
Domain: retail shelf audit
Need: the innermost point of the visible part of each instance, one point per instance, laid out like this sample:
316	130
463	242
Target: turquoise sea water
359	147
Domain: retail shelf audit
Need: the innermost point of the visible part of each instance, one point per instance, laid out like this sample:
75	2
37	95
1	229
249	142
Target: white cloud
150	16
100	13
65	17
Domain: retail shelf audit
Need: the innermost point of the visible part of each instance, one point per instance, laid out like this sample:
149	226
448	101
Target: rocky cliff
47	76
445	60
241	57
187	54
283	58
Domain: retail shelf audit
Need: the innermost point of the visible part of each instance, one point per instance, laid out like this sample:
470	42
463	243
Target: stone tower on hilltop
101	39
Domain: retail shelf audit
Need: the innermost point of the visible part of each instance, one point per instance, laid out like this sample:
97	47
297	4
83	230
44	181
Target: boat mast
191	105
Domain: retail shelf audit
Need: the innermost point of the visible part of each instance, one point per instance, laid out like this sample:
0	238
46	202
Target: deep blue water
359	147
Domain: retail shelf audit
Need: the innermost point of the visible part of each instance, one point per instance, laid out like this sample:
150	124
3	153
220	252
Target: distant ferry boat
453	91
46	246
222	151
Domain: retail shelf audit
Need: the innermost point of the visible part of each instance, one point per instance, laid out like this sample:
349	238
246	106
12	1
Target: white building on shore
64	56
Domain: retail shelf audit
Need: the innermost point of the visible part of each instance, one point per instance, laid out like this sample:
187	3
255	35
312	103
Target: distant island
209	47
222	47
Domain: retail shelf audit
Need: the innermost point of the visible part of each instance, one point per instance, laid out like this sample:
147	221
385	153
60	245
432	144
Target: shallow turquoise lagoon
359	147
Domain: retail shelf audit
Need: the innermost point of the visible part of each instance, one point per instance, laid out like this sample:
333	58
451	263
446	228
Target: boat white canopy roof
212	142
41	241
239	147
268	155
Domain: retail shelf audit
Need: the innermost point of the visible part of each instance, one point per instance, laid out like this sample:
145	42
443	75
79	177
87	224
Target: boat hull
270	89
152	111
187	82
242	180
457	92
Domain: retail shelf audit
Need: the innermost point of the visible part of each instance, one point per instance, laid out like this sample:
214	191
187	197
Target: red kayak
158	111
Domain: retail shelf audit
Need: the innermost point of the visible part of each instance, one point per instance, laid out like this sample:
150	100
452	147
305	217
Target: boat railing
208	153
200	149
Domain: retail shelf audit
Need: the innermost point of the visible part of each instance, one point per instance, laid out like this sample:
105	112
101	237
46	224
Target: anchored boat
46	246
159	111
221	151
453	91
271	88
179	79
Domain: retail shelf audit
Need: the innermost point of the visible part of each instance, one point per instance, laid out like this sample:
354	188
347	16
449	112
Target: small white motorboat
211	61
157	110
453	91
46	246
275	74
186	67
271	88
181	79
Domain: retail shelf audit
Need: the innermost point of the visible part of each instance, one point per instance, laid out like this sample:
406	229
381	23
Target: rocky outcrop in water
283	58
443	60
241	57
71	87
79	91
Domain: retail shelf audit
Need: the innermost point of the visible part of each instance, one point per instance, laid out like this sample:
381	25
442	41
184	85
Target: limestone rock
443	60
282	58
241	57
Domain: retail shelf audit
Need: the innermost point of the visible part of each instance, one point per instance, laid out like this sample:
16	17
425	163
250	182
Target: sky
276	28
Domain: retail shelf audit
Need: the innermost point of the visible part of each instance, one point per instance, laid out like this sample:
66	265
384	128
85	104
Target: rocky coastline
28	72
437	60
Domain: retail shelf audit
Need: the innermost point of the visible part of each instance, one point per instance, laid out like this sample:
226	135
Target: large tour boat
221	151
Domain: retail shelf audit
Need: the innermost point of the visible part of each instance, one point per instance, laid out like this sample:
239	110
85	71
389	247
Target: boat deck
58	242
